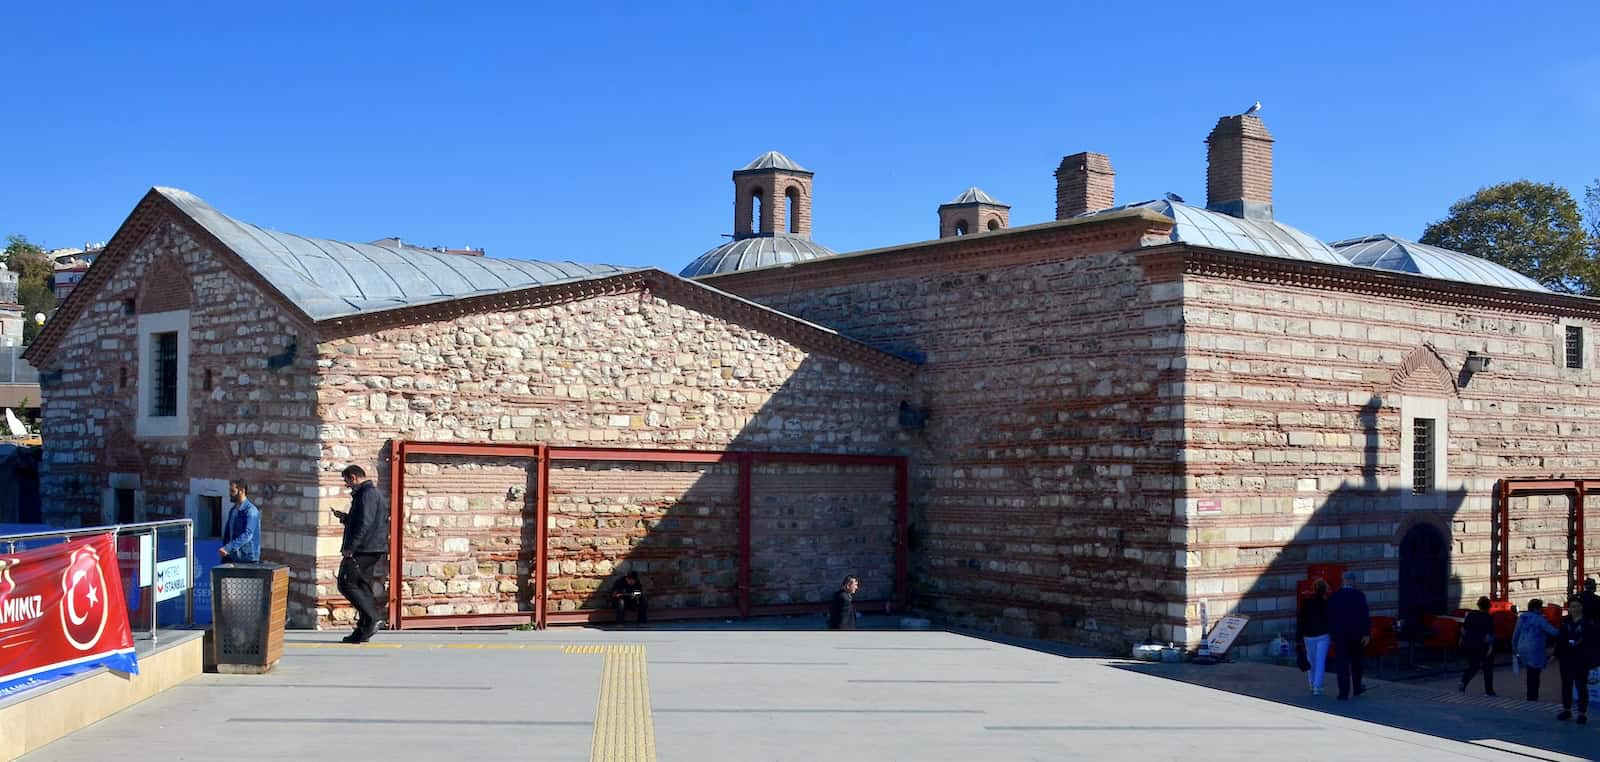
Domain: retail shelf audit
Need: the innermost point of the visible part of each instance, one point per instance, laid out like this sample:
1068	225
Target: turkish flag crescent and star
61	612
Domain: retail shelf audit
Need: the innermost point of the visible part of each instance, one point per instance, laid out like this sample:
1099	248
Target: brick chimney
1085	182
1239	167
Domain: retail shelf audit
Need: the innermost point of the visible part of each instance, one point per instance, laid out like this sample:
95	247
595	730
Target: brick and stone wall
675	524
467	536
626	370
1296	402
811	525
1044	489
245	420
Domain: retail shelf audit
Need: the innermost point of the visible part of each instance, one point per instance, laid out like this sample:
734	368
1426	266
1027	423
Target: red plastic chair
1384	639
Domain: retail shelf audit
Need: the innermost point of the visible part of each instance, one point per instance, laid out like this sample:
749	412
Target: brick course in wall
1044	487
1296	400
252	423
621	370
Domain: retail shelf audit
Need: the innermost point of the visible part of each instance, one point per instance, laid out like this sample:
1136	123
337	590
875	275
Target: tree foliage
34	272
1533	228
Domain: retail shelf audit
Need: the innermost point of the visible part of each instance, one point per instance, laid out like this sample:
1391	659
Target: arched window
994	224
961	227
755	210
791	203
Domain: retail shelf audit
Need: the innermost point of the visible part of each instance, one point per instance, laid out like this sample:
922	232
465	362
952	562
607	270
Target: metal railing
118	531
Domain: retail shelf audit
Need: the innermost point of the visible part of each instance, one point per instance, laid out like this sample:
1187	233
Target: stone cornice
1170	261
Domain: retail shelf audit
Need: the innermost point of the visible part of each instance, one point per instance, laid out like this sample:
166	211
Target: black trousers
1479	658
625	602
355	584
1574	681
1533	681
1349	662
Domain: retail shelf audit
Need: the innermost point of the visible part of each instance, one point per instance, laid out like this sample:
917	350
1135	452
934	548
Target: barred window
1574	346
164	376
1422	449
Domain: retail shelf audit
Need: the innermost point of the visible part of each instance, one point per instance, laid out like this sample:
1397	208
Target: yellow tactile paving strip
624	730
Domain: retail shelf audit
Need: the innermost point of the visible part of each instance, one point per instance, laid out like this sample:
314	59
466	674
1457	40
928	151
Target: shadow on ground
1433	710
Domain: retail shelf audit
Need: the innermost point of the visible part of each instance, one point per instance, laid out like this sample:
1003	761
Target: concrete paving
695	694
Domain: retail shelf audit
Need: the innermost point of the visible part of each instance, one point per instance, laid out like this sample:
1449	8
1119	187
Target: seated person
629	592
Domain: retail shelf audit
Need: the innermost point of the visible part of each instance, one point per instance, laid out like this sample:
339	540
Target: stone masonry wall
626	370
245	421
1296	402
1045	483
811	525
675	524
467	536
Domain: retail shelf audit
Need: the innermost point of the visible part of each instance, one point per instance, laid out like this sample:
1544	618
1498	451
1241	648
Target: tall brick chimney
1085	182
1239	167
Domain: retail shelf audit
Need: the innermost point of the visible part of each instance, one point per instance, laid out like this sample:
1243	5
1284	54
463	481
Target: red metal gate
540	457
1500	584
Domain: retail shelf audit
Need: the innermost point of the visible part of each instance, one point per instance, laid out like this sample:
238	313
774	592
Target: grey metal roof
774	160
329	279
755	251
1203	227
1386	252
973	195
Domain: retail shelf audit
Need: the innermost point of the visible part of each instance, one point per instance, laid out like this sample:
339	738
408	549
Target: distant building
70	266
10	310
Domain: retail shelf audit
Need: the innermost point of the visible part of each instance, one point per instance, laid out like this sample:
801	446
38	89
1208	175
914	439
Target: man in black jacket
842	611
366	539
629	593
1591	602
1477	645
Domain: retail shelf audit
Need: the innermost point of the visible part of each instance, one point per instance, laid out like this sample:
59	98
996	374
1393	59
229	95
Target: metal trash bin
249	607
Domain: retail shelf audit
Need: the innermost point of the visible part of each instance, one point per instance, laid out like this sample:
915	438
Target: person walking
1350	625
366	539
629	592
842	611
1477	645
1312	626
241	533
1577	652
1530	642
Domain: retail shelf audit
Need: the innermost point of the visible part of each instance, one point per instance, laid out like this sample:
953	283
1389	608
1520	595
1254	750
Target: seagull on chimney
1253	110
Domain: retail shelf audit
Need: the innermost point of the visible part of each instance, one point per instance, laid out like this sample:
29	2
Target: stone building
200	348
1110	418
1133	410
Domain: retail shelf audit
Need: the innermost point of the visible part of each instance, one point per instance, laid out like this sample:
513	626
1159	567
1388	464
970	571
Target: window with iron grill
1422	444
1574	346
164	390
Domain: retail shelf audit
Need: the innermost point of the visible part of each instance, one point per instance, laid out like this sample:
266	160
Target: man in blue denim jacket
241	533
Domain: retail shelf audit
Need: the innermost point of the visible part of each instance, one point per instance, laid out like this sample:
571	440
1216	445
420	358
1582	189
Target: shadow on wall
1399	541
469	523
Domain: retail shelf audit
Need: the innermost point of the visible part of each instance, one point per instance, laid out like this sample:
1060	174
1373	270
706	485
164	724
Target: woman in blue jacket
1530	641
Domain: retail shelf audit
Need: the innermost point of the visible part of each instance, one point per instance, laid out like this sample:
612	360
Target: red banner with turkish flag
61	612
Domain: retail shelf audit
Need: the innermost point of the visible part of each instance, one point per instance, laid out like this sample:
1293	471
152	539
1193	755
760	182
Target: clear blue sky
608	135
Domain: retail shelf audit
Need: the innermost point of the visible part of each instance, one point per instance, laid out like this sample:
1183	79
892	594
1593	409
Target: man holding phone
366	539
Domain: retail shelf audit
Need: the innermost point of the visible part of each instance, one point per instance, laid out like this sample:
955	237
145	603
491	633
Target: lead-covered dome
771	220
756	251
1386	252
